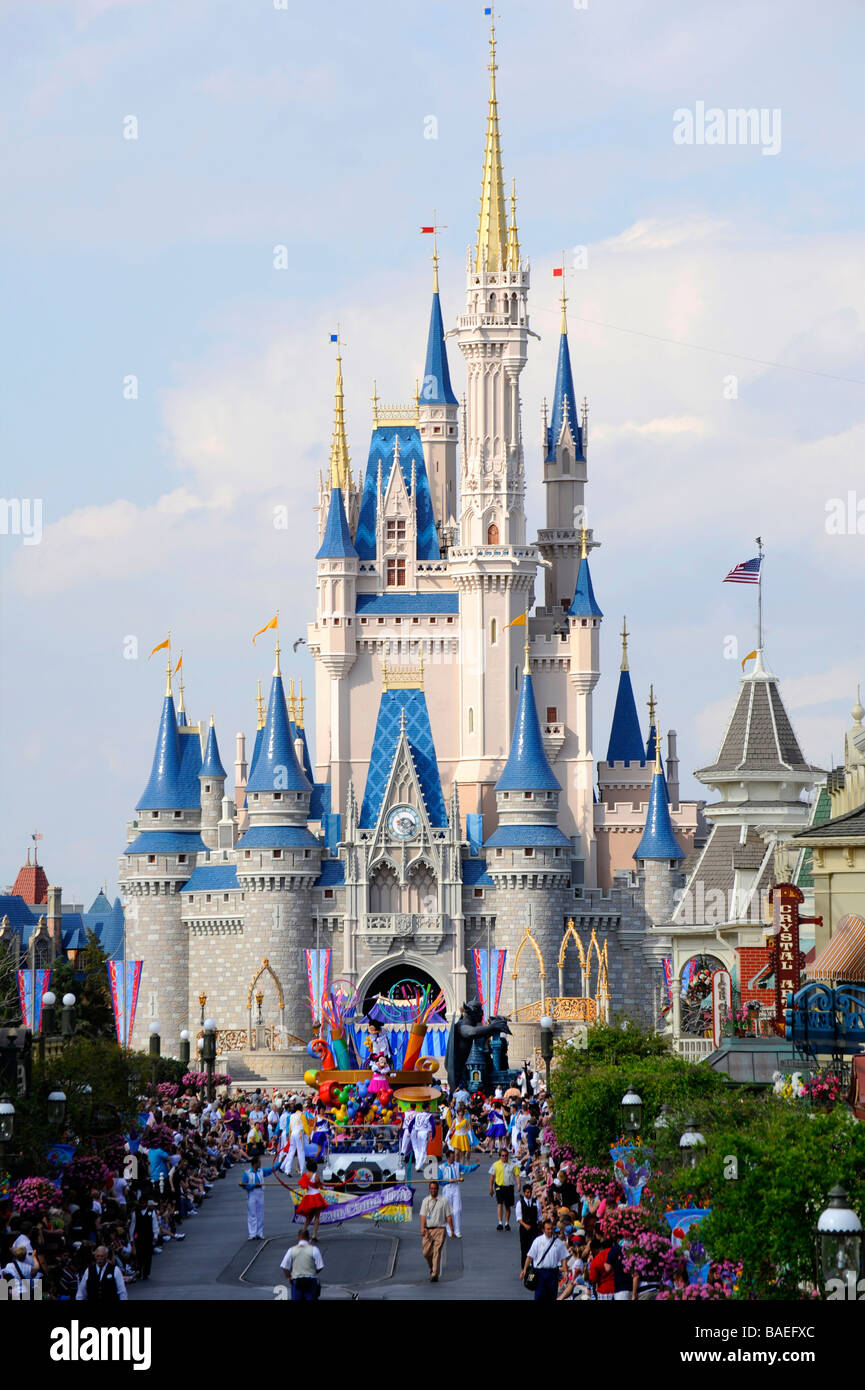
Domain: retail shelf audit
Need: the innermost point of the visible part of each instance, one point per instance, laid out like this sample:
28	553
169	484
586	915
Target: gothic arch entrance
396	970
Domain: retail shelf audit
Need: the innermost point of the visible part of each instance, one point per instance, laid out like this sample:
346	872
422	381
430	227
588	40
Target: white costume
253	1184
417	1130
449	1174
296	1144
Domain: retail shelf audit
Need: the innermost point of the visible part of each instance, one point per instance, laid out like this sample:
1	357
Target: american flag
746	573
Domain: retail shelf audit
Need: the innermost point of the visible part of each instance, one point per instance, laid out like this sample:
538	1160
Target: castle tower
565	475
212	778
278	861
164	845
584	619
528	857
659	854
437	419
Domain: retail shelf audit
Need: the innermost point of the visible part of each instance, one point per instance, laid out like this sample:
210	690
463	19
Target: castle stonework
448	803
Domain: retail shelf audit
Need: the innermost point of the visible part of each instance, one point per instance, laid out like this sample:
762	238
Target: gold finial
181	708
211	721
651	703
583	547
168	666
564	298
339	448
491	253
624	635
260	704
527	666
276	670
658	767
374	406
417	400
292	703
513	239
300	700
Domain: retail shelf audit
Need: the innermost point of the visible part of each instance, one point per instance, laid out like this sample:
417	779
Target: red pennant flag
428	229
558	270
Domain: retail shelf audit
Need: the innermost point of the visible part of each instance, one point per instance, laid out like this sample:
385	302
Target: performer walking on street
252	1183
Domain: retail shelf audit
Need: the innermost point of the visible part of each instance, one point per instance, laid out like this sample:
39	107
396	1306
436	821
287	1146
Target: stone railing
402	923
564	1009
274	1039
693	1049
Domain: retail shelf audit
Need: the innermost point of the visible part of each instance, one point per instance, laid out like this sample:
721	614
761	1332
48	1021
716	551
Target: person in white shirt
296	1143
302	1264
102	1282
21	1272
548	1257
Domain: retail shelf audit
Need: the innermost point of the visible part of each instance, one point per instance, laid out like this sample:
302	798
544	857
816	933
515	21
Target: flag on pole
32	985
495	967
179	663
558	270
274	622
747	658
746	573
317	975
124	978
334	337
519	621
428	229
161	647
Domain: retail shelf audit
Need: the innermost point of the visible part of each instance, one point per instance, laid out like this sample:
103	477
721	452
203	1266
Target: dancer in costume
296	1142
417	1131
450	1172
496	1129
460	1138
252	1183
321	1131
312	1204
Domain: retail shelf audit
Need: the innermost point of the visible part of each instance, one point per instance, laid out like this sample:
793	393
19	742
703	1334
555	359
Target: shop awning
843	958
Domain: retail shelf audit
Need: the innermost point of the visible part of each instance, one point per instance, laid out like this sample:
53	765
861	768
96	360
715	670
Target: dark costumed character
468	1033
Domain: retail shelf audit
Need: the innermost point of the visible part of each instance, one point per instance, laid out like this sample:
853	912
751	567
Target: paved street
362	1260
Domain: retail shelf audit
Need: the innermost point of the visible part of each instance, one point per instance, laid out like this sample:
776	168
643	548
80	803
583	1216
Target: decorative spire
583	550
528	767
857	712
292	703
437	388
584	604
624	636
276	670
564	327
491	252
181	708
513	239
626	738
260	706
300	703
276	766
527	665
654	732
651	703
339	469
659	839
212	765
374	405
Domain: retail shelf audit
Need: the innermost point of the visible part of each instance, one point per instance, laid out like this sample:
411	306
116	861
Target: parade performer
460	1138
378	1047
451	1172
312	1203
496	1129
417	1131
321	1131
252	1183
296	1141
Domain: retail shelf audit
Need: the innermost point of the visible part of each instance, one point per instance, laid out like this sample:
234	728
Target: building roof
584	604
714	871
210	877
759	736
212	765
418	604
162	792
31	883
14	907
100	903
381	455
298	732
527	835
626	737
658	840
319	802
527	767
336	541
564	403
166	842
393	705
276	766
437	389
332	874
821	812
475	874
847	827
277	837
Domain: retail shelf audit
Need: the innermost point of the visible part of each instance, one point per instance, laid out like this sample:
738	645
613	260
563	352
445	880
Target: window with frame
396	574
395	531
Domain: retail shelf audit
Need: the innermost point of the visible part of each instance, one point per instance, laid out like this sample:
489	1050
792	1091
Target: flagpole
760	596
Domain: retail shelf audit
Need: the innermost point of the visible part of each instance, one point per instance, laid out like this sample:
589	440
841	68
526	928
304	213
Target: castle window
552	714
516	678
255	796
298	795
177	815
154	815
277	796
207	897
528	851
450	429
527	796
437	429
494	632
396	573
151	858
191	898
328	892
415	620
395	530
306	854
479	892
499	853
471	720
225	897
207	786
492	534
277	854
181	858
248	853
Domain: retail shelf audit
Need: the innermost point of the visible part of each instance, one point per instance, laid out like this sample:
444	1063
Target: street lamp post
155	1041
690	1144
547	1045
49	1025
632	1111
56	1107
202	999
67	1016
839	1242
184	1046
7	1126
208	1053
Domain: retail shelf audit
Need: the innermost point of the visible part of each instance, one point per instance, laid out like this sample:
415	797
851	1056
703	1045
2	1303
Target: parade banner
632	1170
32	987
722	1003
492	968
124	977
60	1154
681	1223
667	963
375	1204
318	978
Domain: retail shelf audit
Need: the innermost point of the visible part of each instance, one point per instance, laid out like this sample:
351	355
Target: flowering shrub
626	1223
721	1282
158	1137
195	1080
596	1182
825	1088
653	1257
164	1092
34	1197
86	1172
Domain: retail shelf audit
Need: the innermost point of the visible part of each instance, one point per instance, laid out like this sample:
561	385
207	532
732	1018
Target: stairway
262	1067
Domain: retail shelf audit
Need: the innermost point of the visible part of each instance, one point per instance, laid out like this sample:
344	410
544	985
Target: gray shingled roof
716	868
759	737
849	826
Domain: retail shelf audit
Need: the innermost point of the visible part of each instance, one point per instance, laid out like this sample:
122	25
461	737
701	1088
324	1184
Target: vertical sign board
786	960
722	1000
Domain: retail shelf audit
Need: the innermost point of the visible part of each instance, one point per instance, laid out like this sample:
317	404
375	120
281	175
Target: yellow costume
460	1136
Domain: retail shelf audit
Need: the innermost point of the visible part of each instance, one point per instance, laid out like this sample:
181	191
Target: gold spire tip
300	701
583	546
276	668
624	634
658	767
260	704
527	665
339	444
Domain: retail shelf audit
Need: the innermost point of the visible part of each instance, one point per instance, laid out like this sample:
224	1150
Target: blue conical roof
437	387
212	765
162	792
651	743
336	540
403	711
276	766
564	403
585	605
658	840
527	767
626	738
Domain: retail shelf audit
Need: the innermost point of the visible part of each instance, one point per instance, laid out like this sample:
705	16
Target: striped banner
32	986
124	977
318	978
496	976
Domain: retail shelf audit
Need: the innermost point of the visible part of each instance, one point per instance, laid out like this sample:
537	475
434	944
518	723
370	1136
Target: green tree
88	981
10	1006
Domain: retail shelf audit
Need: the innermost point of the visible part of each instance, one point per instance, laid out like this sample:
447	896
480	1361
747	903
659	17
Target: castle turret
565	475
437	418
584	618
164	845
212	777
528	857
659	853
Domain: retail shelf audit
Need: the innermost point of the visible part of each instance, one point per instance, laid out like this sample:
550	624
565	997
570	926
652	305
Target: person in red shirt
600	1272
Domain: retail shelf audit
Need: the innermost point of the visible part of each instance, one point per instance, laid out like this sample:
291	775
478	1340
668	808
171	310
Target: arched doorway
393	974
695	983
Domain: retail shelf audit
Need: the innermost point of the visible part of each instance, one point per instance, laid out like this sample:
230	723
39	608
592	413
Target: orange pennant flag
179	663
520	621
274	622
161	647
747	658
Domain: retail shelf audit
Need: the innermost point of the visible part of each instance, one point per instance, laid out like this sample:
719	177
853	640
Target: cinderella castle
451	800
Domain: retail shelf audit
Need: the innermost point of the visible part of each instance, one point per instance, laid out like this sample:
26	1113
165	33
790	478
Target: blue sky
305	127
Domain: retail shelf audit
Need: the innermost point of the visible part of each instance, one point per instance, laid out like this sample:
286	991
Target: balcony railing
402	923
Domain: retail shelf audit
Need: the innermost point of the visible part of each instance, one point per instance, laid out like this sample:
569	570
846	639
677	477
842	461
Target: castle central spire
339	466
492	246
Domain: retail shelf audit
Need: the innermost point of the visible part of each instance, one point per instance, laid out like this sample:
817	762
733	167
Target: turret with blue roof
626	738
212	779
658	840
584	604
564	421
438	416
172	796
403	728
